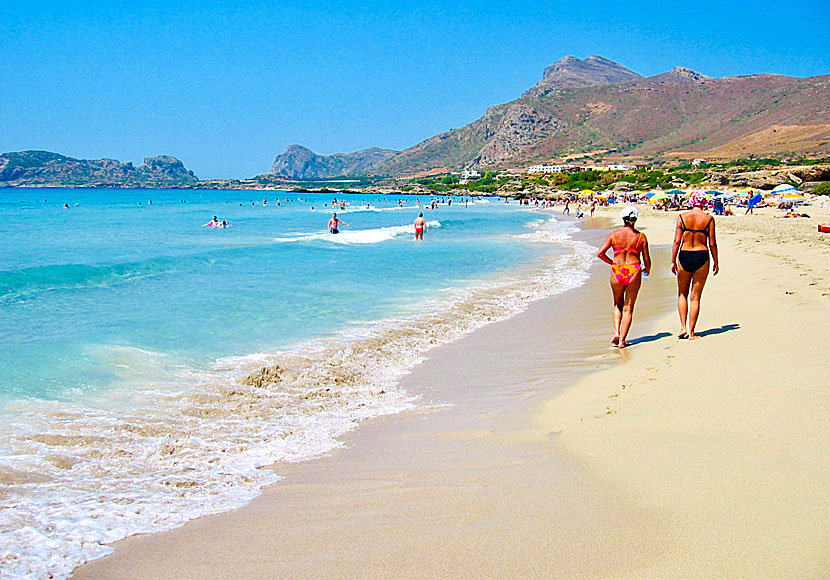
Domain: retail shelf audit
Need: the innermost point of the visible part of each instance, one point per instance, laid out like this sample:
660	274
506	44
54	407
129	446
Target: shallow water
130	364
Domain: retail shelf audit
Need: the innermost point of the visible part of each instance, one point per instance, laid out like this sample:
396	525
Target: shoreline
518	481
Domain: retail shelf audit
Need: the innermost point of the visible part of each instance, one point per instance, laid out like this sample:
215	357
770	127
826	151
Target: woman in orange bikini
695	234
626	270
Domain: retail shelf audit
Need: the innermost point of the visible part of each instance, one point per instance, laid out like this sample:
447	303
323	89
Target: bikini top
636	247
703	231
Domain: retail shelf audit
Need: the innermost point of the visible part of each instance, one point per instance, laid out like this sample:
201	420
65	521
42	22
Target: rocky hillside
42	168
597	107
298	162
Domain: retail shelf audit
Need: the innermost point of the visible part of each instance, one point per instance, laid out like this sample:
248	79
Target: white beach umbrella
783	188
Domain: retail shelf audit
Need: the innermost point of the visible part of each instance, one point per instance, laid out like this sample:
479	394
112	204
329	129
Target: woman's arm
675	247
713	248
603	249
646	257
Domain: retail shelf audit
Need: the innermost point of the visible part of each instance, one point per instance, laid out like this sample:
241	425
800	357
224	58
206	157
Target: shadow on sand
721	330
649	338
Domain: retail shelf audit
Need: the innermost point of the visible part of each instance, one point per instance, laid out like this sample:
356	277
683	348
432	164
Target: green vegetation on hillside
822	189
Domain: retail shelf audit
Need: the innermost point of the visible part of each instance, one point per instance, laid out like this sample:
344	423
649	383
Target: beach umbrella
714	193
588	191
794	197
650	194
676	192
783	188
660	195
724	196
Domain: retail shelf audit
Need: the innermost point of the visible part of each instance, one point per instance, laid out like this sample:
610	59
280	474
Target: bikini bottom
692	260
624	273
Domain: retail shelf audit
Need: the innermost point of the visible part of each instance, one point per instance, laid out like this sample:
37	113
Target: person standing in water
420	226
626	270
334	222
694	240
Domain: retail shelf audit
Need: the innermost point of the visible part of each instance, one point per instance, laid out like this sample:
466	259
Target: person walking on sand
420	226
694	241
334	222
626	270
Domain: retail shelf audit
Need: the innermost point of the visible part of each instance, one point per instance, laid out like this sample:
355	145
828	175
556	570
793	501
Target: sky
226	86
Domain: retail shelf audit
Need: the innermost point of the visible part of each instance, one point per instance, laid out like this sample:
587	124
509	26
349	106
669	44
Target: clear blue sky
226	86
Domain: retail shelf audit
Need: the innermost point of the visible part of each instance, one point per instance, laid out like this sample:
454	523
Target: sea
155	369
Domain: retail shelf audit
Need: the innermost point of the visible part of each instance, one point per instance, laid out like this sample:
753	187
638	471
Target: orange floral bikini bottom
624	273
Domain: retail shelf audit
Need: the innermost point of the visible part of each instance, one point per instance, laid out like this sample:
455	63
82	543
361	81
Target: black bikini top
703	231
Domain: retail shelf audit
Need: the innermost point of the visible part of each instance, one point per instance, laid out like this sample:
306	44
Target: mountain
298	162
596	107
44	168
594	70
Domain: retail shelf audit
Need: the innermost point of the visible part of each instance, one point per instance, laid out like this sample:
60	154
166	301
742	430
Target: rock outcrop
679	74
47	169
769	178
298	162
570	72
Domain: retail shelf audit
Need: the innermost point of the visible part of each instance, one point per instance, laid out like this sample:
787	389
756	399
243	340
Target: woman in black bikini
695	234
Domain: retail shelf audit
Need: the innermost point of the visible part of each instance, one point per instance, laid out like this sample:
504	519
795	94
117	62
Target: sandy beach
543	452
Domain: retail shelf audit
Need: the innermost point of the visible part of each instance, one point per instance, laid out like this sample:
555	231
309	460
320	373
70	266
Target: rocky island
46	169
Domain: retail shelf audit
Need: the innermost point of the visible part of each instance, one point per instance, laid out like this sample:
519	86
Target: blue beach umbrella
783	188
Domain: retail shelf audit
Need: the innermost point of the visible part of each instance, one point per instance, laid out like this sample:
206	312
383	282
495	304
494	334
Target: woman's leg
631	292
698	281
618	290
684	281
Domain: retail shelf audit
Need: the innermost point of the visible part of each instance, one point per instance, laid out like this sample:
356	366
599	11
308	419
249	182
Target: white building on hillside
546	168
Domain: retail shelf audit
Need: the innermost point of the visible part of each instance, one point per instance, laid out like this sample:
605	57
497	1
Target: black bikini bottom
692	260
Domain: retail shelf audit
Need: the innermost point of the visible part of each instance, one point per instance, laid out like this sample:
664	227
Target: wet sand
548	454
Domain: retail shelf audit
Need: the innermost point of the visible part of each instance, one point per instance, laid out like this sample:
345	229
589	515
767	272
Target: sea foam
367	236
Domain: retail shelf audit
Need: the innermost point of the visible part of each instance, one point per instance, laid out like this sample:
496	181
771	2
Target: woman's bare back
628	239
696	227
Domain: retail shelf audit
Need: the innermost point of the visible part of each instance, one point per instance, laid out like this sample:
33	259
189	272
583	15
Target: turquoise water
130	383
111	273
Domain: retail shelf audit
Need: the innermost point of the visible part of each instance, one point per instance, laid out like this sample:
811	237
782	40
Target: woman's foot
615	341
624	344
693	337
683	335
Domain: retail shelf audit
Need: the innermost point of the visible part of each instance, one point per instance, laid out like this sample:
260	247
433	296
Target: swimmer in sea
334	222
420	226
